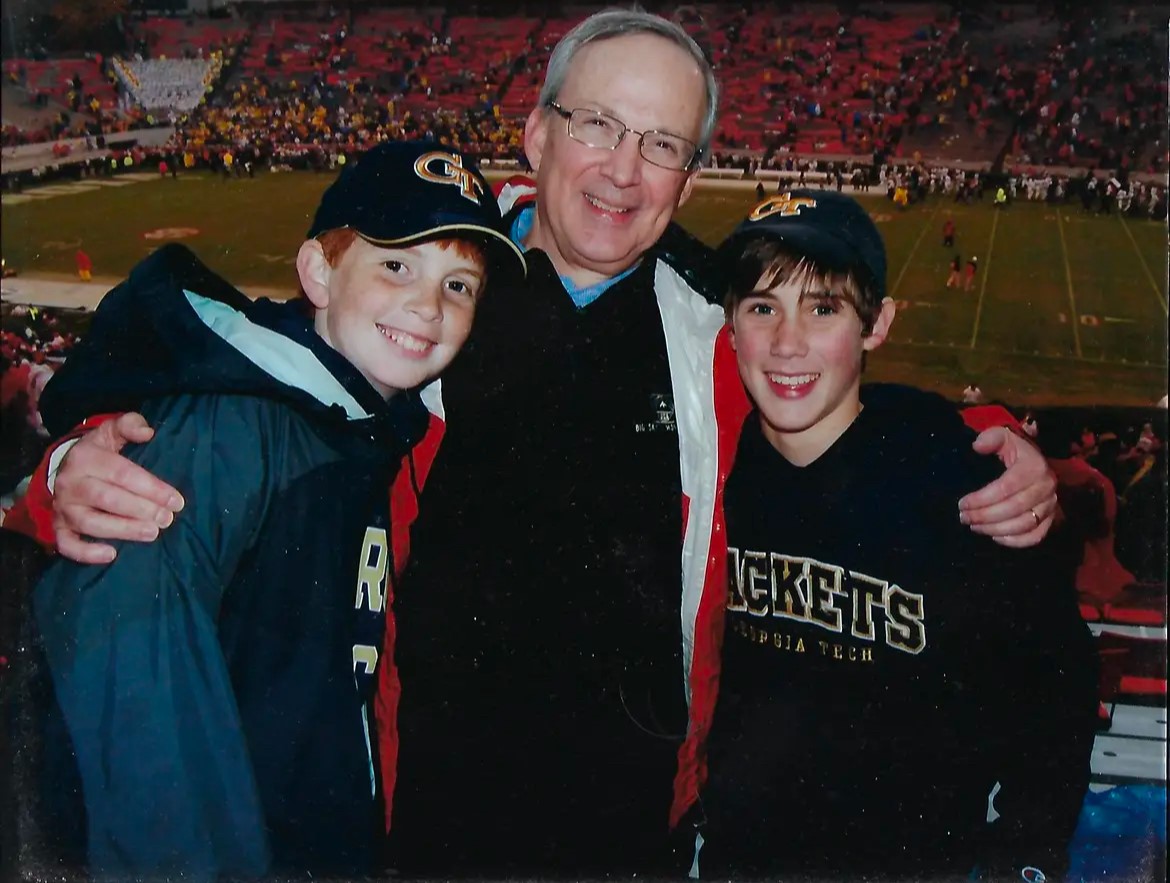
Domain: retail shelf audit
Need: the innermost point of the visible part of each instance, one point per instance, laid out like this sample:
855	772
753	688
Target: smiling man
541	651
601	210
556	647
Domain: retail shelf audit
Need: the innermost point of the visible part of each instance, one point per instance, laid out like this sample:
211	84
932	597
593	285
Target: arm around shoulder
1018	508
84	487
31	506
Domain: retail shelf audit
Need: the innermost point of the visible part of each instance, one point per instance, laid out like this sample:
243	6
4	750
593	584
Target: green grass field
1067	309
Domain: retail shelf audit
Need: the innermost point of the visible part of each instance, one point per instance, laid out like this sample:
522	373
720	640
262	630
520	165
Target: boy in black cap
215	686
884	670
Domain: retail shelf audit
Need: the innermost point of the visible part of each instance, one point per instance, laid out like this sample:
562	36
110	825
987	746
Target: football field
1067	308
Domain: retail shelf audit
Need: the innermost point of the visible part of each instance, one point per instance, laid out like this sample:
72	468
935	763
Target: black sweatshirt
884	667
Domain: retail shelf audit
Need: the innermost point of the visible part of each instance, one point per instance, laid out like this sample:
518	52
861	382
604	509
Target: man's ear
881	326
535	135
687	188
314	272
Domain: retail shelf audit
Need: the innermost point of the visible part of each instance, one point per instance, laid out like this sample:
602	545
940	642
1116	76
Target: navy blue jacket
215	684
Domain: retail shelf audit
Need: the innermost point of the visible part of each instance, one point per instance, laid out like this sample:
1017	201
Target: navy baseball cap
828	227
401	193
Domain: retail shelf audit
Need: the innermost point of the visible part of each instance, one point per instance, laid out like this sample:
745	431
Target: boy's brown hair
764	263
821	240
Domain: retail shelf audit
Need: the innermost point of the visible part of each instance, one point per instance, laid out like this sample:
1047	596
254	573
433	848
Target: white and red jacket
710	407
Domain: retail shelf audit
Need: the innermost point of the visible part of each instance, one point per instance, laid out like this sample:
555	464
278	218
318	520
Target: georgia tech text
776	586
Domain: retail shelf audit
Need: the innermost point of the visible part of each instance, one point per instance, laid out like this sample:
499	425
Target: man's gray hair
618	23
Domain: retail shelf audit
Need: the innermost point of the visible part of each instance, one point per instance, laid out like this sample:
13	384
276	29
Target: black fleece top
884	667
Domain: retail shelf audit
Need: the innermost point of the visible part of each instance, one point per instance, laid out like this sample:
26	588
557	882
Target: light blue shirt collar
581	296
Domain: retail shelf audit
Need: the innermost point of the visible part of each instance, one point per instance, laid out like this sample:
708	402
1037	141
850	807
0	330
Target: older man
557	655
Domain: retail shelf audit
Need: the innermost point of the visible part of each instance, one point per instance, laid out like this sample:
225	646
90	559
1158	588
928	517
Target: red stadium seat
1132	670
1134	615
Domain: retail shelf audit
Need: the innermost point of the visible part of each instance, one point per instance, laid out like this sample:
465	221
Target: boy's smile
799	350
792	385
414	346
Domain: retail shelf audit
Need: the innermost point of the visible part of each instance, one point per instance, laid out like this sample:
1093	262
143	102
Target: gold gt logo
784	205
446	168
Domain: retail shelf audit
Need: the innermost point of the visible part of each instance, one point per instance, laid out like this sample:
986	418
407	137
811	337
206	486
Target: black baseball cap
828	227
401	193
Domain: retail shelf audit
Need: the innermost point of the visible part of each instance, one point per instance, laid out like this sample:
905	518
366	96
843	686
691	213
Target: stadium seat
1133	615
1132	670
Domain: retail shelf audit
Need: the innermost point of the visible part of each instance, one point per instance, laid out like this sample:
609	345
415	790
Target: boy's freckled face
400	315
799	354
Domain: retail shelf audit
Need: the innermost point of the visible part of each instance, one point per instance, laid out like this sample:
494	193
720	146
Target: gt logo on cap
784	205
445	168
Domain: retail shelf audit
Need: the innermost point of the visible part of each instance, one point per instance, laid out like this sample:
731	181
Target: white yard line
985	273
910	258
1074	319
1149	275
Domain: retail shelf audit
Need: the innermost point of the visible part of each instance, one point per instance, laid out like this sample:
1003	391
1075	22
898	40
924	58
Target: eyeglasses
596	129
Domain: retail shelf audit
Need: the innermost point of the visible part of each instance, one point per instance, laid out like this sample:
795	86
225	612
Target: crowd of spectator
829	82
289	118
33	342
63	127
1111	471
1097	96
1130	457
74	107
803	82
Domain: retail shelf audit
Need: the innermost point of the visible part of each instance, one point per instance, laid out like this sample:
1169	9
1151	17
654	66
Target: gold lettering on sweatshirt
768	586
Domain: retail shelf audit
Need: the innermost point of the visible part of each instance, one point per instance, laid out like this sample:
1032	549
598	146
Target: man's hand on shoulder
100	494
1019	507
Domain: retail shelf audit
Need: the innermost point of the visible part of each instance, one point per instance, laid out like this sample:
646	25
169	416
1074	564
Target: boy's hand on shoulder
99	493
1019	507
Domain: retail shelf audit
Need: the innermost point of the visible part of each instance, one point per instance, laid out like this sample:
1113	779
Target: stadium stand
1133	670
1016	85
25	124
76	83
843	84
1096	96
187	37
